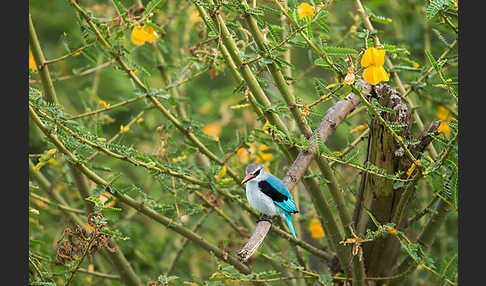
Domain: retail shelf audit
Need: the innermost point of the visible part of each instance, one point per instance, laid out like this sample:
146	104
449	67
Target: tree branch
333	117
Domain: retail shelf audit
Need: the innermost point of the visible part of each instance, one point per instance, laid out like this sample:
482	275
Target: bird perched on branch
269	195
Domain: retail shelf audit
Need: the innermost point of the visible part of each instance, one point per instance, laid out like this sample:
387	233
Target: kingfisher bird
269	195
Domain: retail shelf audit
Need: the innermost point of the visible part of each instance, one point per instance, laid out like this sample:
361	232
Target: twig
61	206
99	274
83	73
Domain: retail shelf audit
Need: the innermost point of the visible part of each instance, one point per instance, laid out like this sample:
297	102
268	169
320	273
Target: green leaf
321	62
434	7
338	51
151	6
119	6
413	250
432	61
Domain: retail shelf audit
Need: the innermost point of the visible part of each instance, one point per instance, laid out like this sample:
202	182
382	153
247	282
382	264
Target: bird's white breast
259	201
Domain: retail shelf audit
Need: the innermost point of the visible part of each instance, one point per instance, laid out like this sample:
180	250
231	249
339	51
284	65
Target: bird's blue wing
277	190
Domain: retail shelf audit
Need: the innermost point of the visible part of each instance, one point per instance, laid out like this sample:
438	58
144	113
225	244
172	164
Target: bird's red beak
248	177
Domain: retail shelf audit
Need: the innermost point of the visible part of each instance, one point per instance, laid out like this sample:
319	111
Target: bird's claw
265	218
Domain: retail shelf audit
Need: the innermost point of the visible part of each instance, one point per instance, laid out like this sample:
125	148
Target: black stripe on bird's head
253	171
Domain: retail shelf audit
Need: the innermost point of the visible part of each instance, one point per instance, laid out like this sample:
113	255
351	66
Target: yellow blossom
89	279
331	85
305	111
103	103
316	228
124	128
373	60
359	128
264	156
266	127
305	11
32	64
356	240
373	57
391	230
239	106
242	153
389	20
213	129
104	198
415	65
90	228
52	151
373	75
410	170
221	173
195	17
180	158
444	128
443	114
140	35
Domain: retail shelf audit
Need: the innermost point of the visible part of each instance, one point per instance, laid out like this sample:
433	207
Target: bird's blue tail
288	219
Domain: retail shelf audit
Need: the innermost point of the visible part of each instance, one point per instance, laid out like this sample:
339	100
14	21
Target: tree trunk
379	195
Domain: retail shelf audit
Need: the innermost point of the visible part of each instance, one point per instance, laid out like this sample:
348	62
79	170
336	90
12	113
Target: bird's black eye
257	172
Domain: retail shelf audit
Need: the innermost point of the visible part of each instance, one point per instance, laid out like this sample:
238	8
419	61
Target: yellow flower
32	64
195	17
221	173
372	56
124	128
239	106
331	85
104	198
305	11
89	279
242	153
445	128
213	129
180	158
266	127
140	35
264	156
103	103
358	128
316	228
373	75
391	230
389	20
90	228
373	61
443	114
410	170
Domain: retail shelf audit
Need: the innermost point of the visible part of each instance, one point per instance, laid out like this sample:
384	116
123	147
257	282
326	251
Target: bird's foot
265	217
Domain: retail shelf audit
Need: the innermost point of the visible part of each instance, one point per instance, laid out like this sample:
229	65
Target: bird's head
256	172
